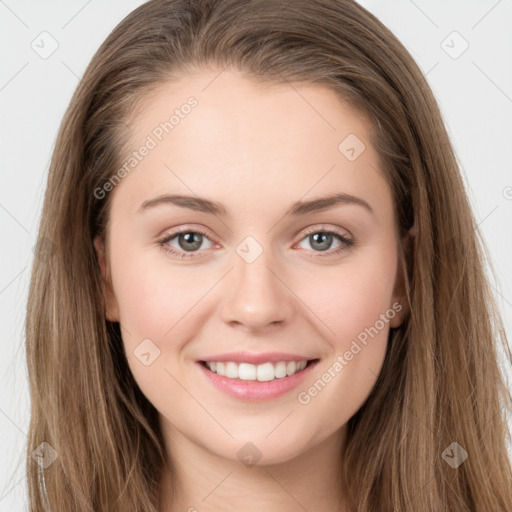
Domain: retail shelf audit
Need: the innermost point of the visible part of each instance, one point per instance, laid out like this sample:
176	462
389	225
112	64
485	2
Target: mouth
264	372
256	382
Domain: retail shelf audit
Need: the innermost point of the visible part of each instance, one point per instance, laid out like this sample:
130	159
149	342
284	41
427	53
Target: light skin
256	150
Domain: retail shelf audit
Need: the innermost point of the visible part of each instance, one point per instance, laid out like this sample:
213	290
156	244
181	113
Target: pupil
323	237
190	238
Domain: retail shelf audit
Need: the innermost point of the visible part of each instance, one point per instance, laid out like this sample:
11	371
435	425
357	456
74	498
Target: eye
321	240
189	241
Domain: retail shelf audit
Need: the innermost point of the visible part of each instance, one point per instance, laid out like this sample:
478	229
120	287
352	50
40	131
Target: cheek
351	297
153	308
162	303
355	303
356	306
144	303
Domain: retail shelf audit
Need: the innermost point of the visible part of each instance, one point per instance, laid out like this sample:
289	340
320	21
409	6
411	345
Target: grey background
474	89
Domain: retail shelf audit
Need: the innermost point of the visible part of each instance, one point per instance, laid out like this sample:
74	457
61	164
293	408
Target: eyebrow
204	205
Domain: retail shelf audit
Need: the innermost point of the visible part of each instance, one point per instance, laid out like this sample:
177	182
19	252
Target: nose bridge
256	295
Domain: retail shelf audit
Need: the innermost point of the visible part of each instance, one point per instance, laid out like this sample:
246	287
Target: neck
206	482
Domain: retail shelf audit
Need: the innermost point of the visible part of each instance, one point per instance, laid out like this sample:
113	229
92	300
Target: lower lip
253	390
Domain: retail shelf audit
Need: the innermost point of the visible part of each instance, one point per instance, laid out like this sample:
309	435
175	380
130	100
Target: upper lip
264	357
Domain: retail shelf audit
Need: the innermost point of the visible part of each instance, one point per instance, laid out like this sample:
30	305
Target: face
252	269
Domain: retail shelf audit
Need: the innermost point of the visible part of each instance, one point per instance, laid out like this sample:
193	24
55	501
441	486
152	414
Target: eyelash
346	243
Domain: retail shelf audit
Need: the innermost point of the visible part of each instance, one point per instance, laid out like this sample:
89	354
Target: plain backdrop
464	49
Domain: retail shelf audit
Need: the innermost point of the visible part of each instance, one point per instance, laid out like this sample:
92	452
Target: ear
400	300
112	312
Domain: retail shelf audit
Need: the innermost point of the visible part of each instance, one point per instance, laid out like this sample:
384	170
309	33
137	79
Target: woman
266	290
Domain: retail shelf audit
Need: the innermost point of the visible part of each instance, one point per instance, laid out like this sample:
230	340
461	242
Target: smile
262	372
256	382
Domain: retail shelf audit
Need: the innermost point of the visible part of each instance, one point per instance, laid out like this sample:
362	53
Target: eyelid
324	227
186	228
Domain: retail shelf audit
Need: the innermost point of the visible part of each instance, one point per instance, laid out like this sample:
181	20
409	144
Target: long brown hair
440	383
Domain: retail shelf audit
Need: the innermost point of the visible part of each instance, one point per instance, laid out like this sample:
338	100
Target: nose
257	297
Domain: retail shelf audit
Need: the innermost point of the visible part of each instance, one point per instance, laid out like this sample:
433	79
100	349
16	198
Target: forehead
219	134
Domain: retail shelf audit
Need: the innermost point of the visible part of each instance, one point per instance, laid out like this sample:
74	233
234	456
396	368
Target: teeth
231	370
291	368
245	371
280	370
265	372
261	372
